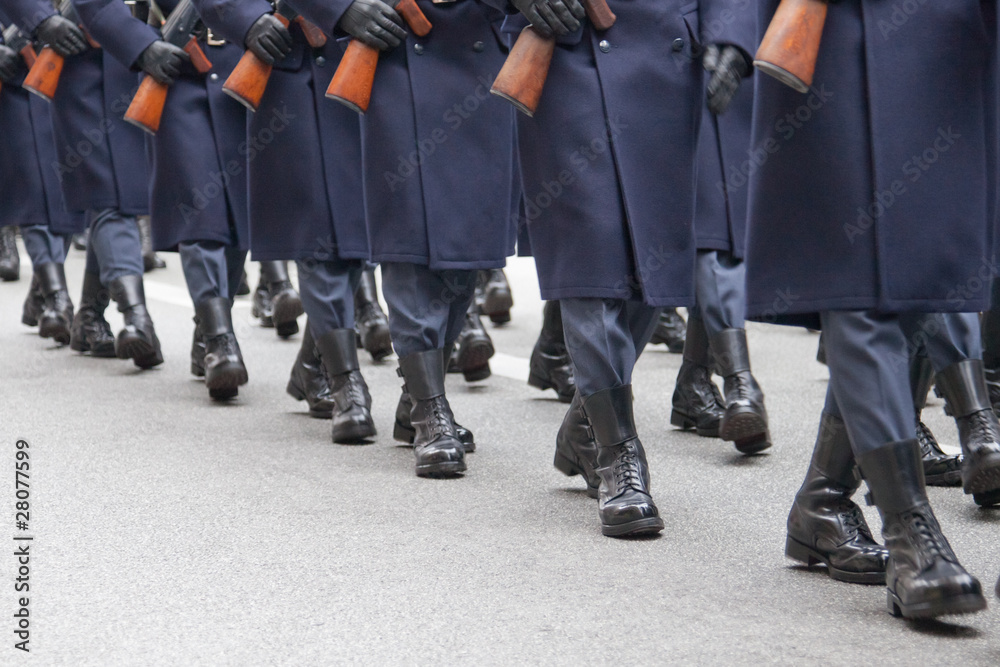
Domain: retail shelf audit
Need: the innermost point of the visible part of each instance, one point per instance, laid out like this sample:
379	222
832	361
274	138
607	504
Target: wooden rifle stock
314	35
43	77
353	80
522	78
249	79
29	55
146	109
790	46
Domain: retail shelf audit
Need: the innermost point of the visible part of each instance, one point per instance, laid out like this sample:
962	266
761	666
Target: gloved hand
162	61
552	17
728	65
374	23
62	35
268	39
8	63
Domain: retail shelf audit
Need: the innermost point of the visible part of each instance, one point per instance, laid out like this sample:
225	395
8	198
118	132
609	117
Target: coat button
678	44
321	61
213	76
478	47
418	49
605	46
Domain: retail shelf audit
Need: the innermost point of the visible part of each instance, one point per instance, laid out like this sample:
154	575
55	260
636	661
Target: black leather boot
671	330
308	381
438	451
624	502
82	240
493	296
370	319
276	302
10	260
198	350
475	347
34	304
224	368
57	312
403	430
825	525
352	417
137	340
150	260
745	419
923	577
90	331
244	287
964	387
576	451
550	366
940	469
697	402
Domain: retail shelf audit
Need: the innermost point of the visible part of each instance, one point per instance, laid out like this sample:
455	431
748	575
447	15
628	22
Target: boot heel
538	382
681	420
892	603
402	433
564	465
295	391
800	552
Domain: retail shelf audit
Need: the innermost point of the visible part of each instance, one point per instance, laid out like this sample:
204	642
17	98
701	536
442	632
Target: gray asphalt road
170	530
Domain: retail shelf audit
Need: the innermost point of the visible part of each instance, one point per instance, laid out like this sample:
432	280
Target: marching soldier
617	243
437	178
31	198
857	227
305	204
100	160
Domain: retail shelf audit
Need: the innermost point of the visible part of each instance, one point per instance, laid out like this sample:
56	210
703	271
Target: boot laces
928	444
981	427
932	543
440	419
851	518
626	469
355	388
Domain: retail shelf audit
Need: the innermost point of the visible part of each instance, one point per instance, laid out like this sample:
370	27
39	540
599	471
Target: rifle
353	80
18	41
791	43
146	108
250	76
522	77
43	77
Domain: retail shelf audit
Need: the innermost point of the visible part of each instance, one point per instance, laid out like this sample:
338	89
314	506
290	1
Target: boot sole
407	435
473	360
226	378
571	468
987	499
685	423
142	353
502	317
498	305
747	430
985	479
285	314
299	394
379	344
649	526
104	351
951	478
197	371
355	434
55	330
969	603
803	554
441	470
539	382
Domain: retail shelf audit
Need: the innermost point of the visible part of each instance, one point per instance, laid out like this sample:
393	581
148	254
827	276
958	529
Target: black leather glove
552	17
8	63
375	23
269	40
62	35
162	61
728	65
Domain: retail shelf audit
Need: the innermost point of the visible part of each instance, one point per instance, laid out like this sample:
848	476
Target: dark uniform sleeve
27	14
112	25
232	19
729	22
325	14
504	6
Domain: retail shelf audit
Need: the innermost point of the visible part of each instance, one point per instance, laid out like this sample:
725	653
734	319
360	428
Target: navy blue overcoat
871	191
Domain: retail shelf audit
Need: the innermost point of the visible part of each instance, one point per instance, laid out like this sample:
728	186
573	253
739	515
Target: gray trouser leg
604	338
945	338
426	308
720	291
43	246
206	269
327	291
869	377
114	249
